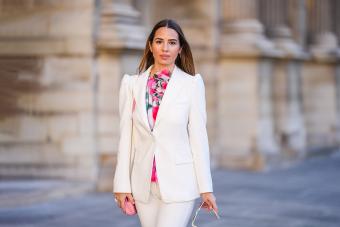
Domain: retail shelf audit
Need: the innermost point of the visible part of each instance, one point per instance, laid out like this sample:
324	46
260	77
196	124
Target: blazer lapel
140	96
172	90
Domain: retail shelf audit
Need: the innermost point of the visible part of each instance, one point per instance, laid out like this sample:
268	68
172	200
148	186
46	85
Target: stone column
242	31
318	77
119	45
120	26
46	55
289	119
337	84
297	20
274	16
287	100
337	70
337	18
294	126
266	140
245	129
320	104
324	40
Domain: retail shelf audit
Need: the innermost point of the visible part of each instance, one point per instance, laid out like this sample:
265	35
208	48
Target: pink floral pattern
156	86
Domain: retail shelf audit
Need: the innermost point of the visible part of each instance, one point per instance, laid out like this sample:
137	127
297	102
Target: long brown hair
184	60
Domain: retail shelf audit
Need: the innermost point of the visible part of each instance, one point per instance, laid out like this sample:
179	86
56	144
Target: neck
157	67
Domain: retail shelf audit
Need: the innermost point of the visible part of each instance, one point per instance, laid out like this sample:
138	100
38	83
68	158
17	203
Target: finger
117	201
210	205
121	201
207	205
214	205
131	198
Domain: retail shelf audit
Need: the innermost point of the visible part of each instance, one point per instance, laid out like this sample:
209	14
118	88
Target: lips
164	56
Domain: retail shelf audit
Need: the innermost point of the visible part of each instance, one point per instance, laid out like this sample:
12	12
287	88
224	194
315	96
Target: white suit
178	140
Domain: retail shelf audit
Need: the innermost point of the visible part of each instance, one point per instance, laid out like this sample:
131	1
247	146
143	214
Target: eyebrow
169	39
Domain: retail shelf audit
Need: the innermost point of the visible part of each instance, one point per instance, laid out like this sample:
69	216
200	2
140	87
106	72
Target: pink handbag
128	207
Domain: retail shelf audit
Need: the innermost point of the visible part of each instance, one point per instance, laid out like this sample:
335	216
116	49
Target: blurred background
271	70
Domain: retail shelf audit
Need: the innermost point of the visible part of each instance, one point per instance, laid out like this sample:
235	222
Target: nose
165	47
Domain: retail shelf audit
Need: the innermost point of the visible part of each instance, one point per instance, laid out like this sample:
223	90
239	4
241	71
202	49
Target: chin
164	62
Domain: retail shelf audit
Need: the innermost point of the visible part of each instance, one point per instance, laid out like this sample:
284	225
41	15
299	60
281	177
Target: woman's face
165	46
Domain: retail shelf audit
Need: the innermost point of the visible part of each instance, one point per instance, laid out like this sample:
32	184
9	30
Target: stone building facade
271	70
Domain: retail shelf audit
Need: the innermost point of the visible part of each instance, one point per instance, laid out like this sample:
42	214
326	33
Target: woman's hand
120	197
209	201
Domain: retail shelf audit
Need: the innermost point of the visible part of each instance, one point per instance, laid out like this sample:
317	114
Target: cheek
156	50
174	52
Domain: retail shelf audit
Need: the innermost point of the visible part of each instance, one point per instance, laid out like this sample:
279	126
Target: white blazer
178	140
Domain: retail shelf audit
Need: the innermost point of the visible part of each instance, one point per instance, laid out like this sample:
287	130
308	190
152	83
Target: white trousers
157	213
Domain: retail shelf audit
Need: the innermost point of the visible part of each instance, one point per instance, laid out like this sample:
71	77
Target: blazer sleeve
121	181
198	135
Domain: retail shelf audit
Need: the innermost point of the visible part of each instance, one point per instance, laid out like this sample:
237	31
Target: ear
180	50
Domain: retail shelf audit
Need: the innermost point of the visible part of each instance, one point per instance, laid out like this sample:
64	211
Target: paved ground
306	195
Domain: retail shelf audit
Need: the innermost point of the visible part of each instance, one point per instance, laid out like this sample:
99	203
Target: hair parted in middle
184	60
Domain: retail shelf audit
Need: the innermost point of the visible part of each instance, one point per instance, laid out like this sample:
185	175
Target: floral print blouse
156	86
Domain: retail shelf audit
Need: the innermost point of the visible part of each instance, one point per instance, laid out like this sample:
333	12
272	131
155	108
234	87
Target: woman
163	161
